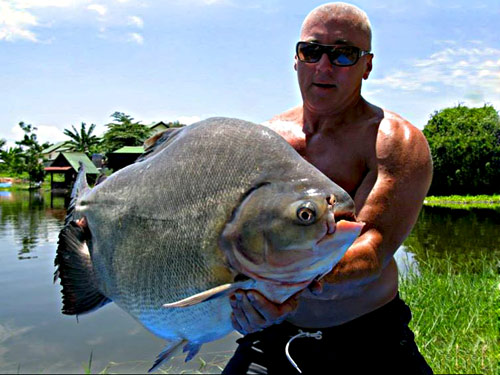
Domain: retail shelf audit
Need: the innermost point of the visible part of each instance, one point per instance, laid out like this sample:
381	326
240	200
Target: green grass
456	316
464	201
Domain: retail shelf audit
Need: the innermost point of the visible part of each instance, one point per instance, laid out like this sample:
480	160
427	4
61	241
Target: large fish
219	205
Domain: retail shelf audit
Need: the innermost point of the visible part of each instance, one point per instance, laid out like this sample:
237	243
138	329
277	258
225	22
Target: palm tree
83	140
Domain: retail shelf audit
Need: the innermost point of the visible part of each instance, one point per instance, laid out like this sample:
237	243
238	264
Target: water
36	338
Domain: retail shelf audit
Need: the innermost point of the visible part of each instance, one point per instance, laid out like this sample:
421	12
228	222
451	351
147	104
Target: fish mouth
345	215
331	225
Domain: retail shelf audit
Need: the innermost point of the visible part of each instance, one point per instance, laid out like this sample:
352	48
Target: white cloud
466	70
136	38
26	4
15	23
101	9
188	120
19	19
136	21
44	133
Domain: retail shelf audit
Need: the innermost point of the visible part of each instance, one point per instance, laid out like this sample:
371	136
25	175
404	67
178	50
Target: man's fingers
237	325
245	315
271	312
242	325
253	312
255	319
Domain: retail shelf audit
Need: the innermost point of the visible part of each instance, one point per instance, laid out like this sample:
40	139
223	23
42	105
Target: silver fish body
211	201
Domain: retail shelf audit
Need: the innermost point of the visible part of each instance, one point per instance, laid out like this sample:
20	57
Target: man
354	321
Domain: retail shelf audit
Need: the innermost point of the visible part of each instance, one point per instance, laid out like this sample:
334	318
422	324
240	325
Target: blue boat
5	185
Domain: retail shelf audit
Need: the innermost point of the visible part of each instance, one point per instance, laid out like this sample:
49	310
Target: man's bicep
390	197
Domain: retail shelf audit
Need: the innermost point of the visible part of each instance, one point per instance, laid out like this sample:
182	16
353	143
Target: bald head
339	13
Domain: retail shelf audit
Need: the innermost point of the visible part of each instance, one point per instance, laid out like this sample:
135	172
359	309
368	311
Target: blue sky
64	62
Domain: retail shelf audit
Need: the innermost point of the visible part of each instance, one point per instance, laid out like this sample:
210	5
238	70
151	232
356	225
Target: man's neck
318	122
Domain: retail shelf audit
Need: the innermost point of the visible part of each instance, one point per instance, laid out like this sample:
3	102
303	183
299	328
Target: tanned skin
379	158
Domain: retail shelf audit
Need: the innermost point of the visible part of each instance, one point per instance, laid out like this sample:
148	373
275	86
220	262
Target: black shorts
378	342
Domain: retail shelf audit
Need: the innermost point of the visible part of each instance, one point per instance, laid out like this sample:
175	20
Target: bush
465	147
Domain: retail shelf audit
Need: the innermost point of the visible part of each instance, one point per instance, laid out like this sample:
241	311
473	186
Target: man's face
327	88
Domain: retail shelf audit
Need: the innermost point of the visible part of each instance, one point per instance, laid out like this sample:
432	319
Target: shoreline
464	201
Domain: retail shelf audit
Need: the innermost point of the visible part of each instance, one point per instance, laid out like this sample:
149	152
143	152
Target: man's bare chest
343	161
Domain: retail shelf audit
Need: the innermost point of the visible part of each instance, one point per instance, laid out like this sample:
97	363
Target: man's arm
388	200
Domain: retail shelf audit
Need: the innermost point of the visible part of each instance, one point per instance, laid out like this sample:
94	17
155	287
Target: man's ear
369	67
295	63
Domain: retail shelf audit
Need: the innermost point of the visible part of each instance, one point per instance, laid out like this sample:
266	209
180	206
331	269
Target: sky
64	62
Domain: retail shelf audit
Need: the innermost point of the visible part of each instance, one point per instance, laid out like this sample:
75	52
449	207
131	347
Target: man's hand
253	312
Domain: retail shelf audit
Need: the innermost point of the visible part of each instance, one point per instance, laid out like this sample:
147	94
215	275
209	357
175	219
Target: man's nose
324	63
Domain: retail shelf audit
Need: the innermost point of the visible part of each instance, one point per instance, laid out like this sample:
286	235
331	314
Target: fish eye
306	213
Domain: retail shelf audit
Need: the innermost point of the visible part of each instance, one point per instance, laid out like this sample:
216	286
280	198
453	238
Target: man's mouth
325	85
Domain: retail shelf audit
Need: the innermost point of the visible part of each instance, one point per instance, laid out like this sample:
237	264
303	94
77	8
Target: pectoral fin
219	291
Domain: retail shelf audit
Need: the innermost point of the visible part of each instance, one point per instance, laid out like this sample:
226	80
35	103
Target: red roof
57	169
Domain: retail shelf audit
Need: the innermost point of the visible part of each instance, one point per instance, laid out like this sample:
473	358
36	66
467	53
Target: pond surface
36	338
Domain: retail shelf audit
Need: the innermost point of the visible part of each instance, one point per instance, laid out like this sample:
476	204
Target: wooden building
51	153
67	164
122	157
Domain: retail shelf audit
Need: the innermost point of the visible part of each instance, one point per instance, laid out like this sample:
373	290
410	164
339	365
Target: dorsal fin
79	187
158	142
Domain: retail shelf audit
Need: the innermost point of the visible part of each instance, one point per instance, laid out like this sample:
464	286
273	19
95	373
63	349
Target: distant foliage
83	140
31	157
13	163
465	147
175	124
124	132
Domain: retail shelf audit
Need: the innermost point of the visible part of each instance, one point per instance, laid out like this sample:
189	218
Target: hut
50	153
122	157
67	164
157	127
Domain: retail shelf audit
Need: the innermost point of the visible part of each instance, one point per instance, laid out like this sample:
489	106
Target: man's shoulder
395	128
289	125
400	143
289	117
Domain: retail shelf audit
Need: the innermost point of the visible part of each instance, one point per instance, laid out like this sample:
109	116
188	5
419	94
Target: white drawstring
317	336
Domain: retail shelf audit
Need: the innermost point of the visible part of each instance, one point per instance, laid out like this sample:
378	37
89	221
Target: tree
13	160
83	140
124	132
175	124
32	153
465	147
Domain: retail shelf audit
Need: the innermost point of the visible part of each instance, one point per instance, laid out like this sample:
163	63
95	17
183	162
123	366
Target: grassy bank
464	201
456	316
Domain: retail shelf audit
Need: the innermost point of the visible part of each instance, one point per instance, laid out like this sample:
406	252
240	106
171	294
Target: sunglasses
338	55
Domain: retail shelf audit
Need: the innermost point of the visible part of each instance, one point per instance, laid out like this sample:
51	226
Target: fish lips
341	238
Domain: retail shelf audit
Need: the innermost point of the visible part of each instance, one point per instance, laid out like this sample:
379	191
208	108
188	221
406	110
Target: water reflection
32	216
5	195
407	262
465	237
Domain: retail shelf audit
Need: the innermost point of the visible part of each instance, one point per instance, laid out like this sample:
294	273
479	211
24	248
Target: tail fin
75	269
